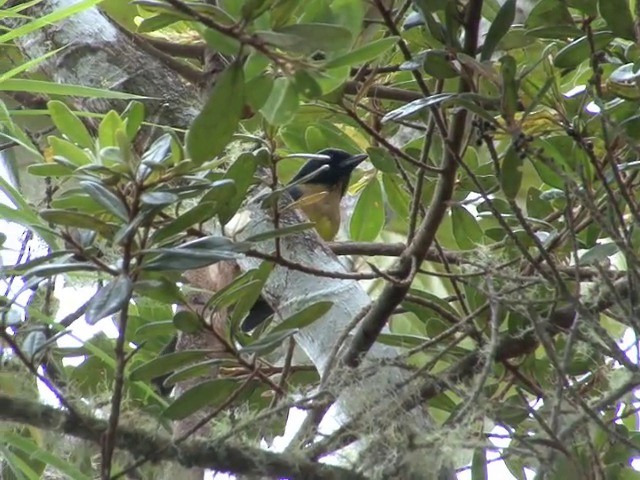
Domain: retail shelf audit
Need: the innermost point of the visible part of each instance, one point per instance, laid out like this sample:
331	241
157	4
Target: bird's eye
318	56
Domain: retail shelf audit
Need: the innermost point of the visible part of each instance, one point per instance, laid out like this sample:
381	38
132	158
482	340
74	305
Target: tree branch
219	456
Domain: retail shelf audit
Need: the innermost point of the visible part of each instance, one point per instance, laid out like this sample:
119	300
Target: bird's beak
355	160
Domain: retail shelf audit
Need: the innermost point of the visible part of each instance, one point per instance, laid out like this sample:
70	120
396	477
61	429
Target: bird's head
335	175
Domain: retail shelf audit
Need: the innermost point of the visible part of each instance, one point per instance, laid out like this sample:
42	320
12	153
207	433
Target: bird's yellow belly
325	213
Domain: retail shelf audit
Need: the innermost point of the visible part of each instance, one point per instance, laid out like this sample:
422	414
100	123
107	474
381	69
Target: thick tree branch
393	293
219	456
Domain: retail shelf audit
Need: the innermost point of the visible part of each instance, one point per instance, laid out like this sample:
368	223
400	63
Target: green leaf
67	150
196	370
397	196
110	299
55	16
17	464
437	63
212	392
466	230
509	96
158	199
74	219
306	85
498	29
187	322
185	259
133	116
58	269
368	215
309	37
282	103
364	54
382	160
580	50
256	278
64	89
153	330
109	200
109	125
415	106
214	127
165	364
549	12
511	173
198	214
618	17
257	91
34	451
29	65
269	342
303	318
598	253
241	172
479	462
195	254
69	124
220	42
401	340
49	170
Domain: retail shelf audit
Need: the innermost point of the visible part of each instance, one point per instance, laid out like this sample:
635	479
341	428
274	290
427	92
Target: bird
317	189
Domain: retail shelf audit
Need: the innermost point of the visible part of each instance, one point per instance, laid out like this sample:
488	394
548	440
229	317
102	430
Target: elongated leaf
46	20
511	173
186	258
74	219
154	330
109	200
29	65
159	199
598	253
187	322
303	318
214	127
241	172
110	299
67	150
165	364
65	89
618	17
212	392
69	124
49	170
499	28
269	342
368	215
197	214
415	106
579	50
32	449
196	370
367	52
308	37
466	230
58	269
282	103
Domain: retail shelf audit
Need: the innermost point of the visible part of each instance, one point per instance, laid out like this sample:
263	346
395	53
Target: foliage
502	176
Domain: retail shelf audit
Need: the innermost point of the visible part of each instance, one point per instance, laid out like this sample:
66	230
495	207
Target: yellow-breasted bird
318	196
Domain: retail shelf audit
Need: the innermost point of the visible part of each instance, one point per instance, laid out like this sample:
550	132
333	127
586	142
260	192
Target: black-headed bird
320	195
317	189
